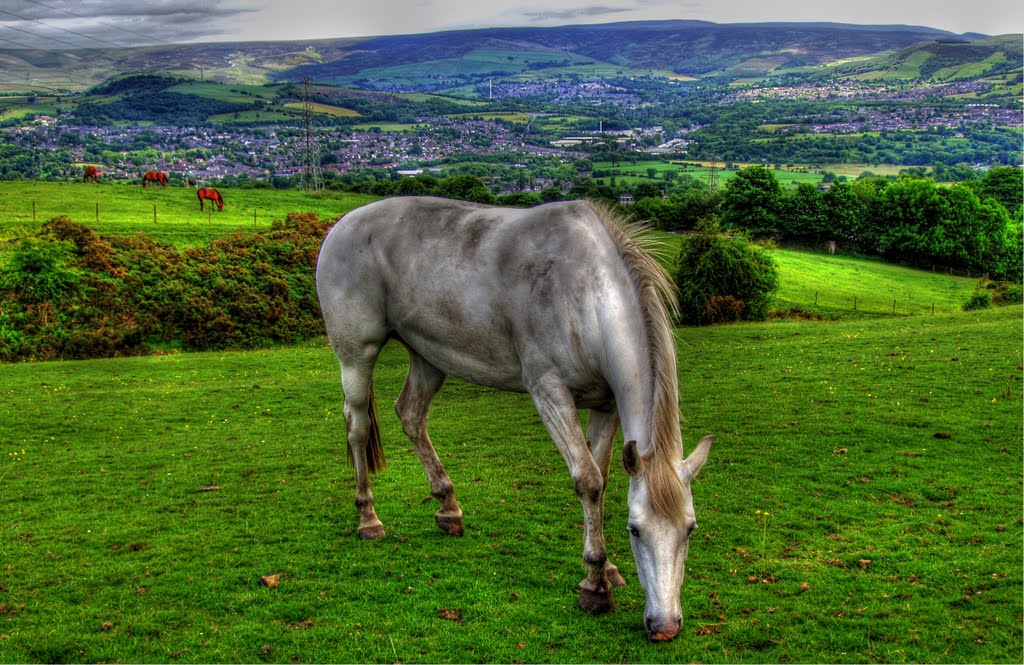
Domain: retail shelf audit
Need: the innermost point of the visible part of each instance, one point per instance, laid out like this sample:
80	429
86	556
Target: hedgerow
67	293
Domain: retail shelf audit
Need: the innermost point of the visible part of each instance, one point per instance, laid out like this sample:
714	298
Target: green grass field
862	504
124	209
632	174
845	287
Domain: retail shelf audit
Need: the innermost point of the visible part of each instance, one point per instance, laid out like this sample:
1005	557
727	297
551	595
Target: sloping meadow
861	504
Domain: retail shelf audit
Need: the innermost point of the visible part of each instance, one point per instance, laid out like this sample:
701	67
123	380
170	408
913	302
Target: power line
109	25
53	27
11	41
53	39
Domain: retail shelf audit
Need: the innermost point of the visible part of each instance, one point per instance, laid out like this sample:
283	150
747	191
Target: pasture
634	173
861	504
123	209
845	287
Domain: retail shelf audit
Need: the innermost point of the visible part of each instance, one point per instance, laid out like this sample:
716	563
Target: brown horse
211	194
91	173
154	177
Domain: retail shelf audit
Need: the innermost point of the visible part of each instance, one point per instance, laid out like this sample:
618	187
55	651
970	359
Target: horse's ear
630	458
693	463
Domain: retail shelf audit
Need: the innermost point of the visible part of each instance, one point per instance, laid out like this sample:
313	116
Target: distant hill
446	60
688	48
942	60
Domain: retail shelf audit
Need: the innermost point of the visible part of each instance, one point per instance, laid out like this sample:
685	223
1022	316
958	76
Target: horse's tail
375	459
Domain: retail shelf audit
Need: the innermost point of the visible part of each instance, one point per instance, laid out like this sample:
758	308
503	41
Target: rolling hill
940	60
694	49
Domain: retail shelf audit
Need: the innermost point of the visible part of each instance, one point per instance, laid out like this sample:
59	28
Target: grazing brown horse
211	194
154	177
91	173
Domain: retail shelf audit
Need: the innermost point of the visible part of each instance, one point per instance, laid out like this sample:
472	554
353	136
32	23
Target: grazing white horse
560	301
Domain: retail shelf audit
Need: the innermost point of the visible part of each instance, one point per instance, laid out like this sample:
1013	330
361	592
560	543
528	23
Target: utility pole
310	149
713	177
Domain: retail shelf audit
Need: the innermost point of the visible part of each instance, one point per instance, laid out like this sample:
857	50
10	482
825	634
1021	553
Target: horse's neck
631	376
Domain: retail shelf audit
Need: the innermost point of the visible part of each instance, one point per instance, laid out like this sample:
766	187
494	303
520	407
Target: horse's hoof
615	578
450	524
596	602
372	531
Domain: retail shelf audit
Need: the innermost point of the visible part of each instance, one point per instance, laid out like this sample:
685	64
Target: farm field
630	173
125	209
861	504
846	287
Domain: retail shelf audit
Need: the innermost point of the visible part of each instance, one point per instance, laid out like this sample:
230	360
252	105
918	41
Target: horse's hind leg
357	383
413	406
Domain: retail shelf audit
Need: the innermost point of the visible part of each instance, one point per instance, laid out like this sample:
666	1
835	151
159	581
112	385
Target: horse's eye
633	531
690	529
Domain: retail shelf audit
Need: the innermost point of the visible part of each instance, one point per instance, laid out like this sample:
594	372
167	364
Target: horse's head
660	538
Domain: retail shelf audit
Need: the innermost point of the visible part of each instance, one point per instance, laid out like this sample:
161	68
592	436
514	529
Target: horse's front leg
601	430
558	412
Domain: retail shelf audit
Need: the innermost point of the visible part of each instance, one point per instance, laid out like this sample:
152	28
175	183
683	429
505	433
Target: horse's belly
485	363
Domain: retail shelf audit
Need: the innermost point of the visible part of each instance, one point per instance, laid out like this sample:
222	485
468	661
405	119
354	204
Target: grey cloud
575	13
93	24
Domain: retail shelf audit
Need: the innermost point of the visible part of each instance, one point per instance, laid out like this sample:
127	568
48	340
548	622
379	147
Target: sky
60	24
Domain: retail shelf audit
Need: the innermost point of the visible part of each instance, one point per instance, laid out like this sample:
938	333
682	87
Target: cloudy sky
59	24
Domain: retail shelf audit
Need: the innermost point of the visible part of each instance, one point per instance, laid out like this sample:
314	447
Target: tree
466	187
752	200
1006	185
907	210
723	278
646	190
848	218
410	187
805	216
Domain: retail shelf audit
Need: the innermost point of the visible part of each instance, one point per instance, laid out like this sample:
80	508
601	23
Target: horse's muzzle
662	632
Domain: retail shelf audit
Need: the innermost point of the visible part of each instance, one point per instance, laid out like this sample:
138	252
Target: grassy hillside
861	504
940	61
847	287
125	209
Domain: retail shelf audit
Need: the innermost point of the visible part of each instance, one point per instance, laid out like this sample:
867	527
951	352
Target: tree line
973	227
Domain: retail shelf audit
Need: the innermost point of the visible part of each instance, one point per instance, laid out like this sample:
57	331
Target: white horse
560	301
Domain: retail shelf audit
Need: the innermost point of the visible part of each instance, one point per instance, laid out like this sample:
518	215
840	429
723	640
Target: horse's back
477	290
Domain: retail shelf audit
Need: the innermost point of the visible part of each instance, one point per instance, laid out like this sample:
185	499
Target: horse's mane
658	300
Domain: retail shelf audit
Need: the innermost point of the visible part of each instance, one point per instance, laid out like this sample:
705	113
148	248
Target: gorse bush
978	300
67	293
722	279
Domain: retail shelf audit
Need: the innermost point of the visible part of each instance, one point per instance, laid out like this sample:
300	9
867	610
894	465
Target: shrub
723	278
1011	294
67	293
978	300
40	271
725	309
